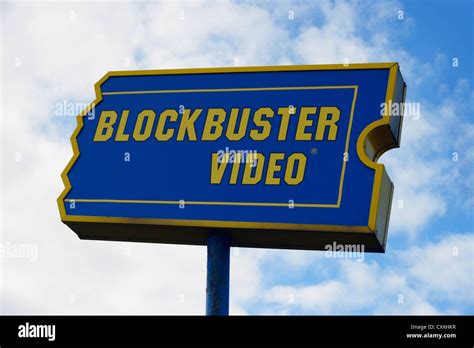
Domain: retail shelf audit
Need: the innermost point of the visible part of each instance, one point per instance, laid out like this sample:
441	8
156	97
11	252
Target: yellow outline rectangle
301	205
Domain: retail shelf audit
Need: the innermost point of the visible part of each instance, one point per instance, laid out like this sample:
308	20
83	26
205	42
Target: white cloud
424	171
444	269
211	34
316	298
63	48
408	284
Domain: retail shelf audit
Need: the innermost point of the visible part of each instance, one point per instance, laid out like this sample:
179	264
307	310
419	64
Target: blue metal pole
218	262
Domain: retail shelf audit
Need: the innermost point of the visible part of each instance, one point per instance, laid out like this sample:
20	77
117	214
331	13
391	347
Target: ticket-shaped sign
278	157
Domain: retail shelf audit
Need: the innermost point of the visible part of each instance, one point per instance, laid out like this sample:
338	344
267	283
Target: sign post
218	269
262	157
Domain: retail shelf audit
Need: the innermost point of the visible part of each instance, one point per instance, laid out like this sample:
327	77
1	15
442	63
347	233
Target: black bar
137	330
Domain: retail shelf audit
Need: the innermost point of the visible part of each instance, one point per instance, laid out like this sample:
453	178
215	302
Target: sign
279	157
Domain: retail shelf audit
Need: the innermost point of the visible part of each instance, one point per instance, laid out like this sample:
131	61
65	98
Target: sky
52	53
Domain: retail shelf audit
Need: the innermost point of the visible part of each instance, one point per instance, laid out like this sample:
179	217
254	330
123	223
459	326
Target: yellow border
379	168
300	205
228	90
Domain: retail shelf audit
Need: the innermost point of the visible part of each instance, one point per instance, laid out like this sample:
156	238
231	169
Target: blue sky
53	52
441	26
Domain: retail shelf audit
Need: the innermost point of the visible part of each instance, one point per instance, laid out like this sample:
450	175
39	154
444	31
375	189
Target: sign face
279	157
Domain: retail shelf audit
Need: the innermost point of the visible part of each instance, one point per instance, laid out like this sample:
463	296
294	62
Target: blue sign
279	157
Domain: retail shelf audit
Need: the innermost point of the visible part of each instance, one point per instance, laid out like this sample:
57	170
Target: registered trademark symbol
314	151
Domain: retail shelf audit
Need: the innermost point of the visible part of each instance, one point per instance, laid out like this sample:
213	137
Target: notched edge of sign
75	146
370	146
377	138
